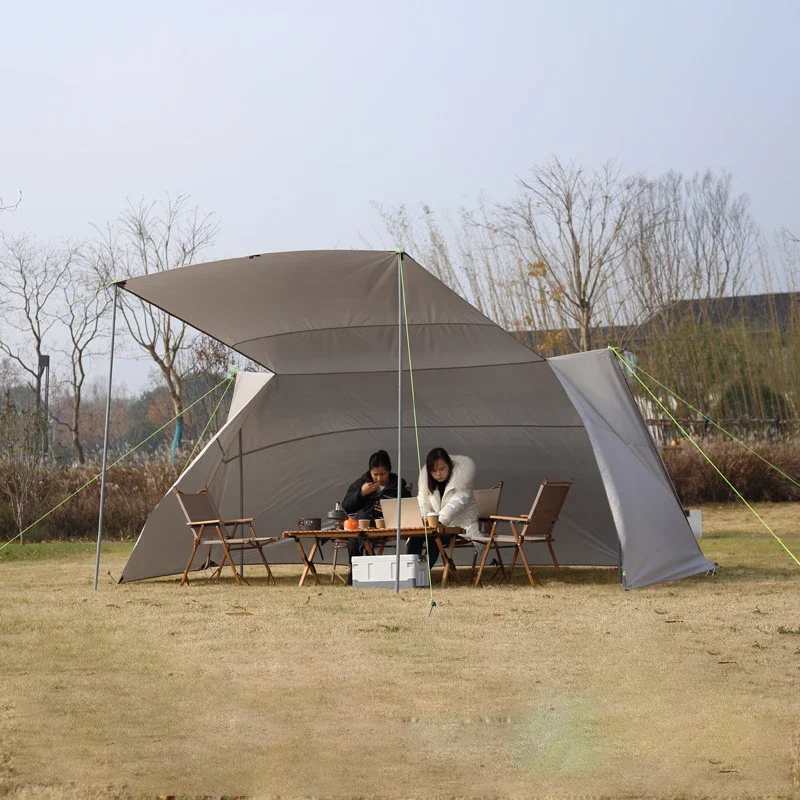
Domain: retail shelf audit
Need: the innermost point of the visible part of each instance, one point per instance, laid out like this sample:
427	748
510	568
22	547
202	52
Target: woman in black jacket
366	492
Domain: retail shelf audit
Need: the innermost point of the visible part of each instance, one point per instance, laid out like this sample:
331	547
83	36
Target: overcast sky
289	119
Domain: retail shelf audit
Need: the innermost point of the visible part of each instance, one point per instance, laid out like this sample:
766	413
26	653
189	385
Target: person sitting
446	489
365	494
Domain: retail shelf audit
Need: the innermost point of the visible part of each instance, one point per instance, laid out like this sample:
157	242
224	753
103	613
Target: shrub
696	481
132	491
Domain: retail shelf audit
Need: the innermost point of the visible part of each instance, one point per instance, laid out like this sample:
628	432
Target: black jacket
355	503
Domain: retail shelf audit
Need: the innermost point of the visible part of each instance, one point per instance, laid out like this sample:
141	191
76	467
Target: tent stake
399	416
105	441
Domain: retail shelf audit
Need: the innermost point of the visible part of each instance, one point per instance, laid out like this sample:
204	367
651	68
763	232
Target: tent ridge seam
416	369
388	427
366	327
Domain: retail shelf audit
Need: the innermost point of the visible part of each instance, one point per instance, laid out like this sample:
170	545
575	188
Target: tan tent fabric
327	323
656	540
329	311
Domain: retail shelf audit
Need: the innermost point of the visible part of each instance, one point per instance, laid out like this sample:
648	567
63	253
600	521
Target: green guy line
416	430
705	416
125	455
705	456
213	414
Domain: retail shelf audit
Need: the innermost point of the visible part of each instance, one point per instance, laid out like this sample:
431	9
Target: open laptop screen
411	518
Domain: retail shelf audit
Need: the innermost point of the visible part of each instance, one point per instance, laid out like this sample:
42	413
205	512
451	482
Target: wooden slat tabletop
371	532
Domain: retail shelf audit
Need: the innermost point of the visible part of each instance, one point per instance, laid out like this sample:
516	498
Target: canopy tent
326	325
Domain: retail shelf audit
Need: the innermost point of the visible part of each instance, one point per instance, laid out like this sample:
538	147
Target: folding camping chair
537	527
208	528
488	505
338	544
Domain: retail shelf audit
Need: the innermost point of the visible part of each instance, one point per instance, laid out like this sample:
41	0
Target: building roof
756	310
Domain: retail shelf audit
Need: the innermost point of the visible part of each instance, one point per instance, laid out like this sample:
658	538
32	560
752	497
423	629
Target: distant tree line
54	304
663	268
579	259
576	259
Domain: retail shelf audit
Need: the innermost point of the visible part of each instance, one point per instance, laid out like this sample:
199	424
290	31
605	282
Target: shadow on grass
733	572
747	573
288	576
752	557
743	558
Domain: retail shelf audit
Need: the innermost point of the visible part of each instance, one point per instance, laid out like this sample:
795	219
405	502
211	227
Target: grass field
577	689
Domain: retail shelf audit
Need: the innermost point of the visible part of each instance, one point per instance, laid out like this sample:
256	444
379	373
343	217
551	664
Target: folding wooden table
376	538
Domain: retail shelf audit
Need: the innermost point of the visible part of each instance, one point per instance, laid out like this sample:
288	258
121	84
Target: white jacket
458	508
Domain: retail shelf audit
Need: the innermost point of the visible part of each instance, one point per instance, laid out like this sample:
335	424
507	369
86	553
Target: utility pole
44	369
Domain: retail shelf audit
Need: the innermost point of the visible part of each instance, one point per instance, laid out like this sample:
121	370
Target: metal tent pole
105	440
399	417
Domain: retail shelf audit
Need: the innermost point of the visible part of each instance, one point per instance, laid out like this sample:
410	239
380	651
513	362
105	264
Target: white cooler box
379	572
695	517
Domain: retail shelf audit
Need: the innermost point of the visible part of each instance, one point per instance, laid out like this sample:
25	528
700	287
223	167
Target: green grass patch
46	551
755	554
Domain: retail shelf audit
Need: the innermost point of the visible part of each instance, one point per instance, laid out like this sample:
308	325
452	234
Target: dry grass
734	519
578	689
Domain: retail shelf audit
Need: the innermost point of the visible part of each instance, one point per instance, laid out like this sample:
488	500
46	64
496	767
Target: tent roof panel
325	310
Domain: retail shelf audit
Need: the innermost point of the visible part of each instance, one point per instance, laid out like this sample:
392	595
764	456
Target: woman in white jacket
446	489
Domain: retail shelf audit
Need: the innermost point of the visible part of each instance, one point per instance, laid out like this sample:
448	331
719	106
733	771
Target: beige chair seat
534	528
209	529
488	504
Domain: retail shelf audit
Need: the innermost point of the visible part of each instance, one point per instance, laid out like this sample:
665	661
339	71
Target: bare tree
10	206
789	236
576	249
705	244
9	375
656	264
421	235
31	276
147	238
570	228
85	307
207	363
786	254
21	469
468	256
721	235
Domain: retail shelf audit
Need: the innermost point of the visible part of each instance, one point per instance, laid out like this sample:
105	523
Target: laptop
411	518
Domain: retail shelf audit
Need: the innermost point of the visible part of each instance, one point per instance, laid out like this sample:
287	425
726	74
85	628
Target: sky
289	120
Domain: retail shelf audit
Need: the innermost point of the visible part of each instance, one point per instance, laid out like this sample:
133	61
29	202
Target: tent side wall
300	452
165	542
307	439
656	539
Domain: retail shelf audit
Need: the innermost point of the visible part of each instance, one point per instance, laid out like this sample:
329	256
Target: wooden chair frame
484	518
219	532
338	544
536	527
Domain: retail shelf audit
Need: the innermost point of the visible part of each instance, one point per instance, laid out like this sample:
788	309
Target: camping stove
338	516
